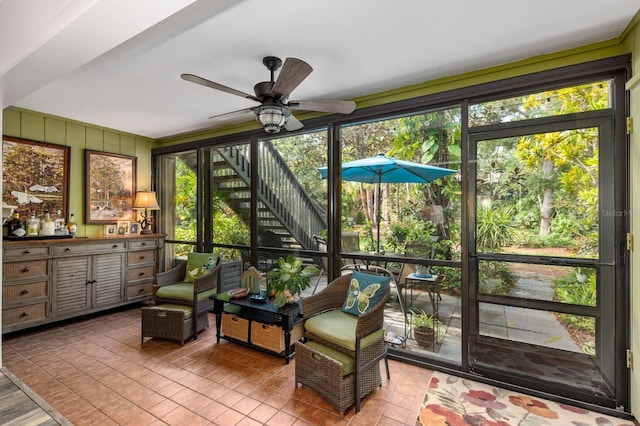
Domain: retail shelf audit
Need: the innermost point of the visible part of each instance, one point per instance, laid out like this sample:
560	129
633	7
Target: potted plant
288	280
423	327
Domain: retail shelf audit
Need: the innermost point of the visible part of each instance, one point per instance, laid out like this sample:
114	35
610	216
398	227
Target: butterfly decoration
360	296
43	188
24	198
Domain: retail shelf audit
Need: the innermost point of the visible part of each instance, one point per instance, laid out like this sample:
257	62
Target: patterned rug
454	401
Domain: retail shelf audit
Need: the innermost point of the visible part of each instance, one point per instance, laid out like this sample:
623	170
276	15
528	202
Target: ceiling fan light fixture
272	117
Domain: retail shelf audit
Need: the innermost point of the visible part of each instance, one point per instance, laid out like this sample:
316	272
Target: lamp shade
272	117
146	200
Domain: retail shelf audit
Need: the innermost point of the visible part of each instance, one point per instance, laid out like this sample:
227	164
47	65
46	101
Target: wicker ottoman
172	322
331	374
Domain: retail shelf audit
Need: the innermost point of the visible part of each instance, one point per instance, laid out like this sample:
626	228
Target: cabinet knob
26	269
141	257
141	290
143	244
26	252
141	274
25	291
67	249
115	246
24	314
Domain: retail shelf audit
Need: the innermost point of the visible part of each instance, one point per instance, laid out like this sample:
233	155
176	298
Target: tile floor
95	371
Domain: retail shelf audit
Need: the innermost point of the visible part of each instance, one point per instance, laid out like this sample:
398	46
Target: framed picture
110	230
122	228
35	177
134	228
110	187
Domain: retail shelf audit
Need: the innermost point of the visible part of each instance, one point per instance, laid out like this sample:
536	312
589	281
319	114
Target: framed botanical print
110	187
35	177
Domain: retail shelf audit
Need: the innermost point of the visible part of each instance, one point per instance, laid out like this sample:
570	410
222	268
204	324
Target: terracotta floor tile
281	419
229	417
263	413
96	372
182	416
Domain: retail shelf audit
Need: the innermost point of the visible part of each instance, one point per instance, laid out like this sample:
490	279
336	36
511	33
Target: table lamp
146	200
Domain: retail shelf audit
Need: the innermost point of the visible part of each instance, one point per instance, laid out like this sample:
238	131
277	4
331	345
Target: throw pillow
199	264
365	292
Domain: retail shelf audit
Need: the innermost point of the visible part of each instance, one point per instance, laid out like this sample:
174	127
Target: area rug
454	401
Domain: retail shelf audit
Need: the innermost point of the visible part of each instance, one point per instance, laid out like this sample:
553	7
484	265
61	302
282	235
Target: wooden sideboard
54	279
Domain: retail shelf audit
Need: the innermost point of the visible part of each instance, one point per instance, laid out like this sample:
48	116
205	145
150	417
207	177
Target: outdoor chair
330	321
265	261
191	283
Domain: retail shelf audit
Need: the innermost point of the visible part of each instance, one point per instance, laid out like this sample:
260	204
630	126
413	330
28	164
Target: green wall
79	136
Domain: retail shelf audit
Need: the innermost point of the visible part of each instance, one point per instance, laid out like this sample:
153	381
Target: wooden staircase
283	206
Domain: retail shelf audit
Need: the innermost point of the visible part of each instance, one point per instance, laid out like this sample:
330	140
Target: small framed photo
110	230
134	228
123	228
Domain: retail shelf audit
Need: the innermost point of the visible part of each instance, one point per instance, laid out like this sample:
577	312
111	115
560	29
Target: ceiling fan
274	111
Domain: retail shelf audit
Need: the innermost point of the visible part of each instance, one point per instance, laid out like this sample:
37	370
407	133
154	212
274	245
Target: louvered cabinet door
108	277
72	286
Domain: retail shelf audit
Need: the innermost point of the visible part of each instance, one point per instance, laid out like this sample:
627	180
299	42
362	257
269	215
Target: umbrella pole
379	212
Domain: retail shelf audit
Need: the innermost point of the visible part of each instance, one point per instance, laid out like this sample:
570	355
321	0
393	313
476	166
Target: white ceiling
117	63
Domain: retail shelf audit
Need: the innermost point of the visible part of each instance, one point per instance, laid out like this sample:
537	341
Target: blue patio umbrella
382	169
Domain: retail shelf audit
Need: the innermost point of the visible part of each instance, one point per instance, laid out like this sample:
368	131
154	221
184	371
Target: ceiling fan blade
327	105
234	116
204	82
293	124
293	72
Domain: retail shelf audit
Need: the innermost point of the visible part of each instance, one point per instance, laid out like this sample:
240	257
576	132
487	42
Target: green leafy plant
289	279
422	321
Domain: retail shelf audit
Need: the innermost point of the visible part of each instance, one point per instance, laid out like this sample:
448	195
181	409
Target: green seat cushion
199	264
182	291
348	362
188	310
365	292
339	327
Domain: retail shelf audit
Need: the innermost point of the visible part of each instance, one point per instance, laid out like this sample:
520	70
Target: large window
522	238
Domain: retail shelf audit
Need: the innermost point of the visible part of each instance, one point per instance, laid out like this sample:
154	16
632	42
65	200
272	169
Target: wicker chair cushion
188	310
199	264
182	291
348	363
365	292
340	328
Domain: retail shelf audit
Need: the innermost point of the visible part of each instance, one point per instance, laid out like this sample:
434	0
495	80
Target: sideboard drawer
71	249
37	311
21	270
140	273
141	244
23	292
144	256
34	252
139	290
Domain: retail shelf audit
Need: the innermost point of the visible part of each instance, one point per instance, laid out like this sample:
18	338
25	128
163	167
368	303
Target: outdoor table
369	257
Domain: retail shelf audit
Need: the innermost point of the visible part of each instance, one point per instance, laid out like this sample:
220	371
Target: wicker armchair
366	346
171	288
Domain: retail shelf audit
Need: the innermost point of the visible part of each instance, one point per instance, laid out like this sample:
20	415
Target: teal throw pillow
365	292
199	264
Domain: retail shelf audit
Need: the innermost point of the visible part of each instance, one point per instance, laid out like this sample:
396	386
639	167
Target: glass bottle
16	227
47	227
72	226
58	222
33	223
